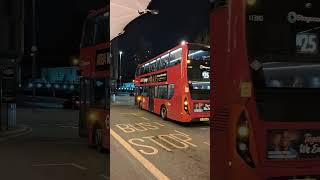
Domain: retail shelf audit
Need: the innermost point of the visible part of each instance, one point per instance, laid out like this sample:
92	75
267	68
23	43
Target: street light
120	77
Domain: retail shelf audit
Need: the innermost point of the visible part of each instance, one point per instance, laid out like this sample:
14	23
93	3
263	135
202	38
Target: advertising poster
293	144
201	107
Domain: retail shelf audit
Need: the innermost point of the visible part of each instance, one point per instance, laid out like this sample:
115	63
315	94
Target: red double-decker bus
265	79
175	84
94	82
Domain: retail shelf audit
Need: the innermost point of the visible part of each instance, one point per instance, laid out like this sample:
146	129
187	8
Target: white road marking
78	166
62	164
73	127
147	164
134	114
104	176
145	118
206	143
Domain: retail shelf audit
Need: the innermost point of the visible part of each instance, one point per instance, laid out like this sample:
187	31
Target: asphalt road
143	146
53	151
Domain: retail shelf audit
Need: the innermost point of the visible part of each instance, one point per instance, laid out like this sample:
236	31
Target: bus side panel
145	103
157	105
219	99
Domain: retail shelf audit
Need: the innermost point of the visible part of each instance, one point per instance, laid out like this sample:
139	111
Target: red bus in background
175	84
94	82
265	79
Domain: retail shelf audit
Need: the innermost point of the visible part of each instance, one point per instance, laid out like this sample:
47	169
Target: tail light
186	105
243	140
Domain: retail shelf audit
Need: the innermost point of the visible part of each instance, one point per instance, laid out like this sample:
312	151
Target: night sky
178	20
59	29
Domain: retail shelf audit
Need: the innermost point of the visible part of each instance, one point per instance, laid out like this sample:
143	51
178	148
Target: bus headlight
243	140
93	116
243	131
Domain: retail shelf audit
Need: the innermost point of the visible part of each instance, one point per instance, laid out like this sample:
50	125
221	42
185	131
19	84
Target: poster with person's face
293	144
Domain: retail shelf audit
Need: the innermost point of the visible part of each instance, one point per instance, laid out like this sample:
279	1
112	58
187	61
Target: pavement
53	151
143	146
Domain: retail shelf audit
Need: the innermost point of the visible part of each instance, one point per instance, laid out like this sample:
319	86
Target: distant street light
120	77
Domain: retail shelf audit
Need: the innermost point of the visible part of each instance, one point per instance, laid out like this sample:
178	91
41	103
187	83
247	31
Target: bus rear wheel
163	112
97	138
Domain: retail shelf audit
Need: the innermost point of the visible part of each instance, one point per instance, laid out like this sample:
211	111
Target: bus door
151	99
84	106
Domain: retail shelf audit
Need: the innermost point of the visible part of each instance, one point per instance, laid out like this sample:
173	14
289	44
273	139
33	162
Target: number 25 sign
307	43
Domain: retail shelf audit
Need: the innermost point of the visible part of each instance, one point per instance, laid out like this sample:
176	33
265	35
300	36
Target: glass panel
164	61
102	29
175	57
199	90
88	36
171	91
100	93
283	43
163	92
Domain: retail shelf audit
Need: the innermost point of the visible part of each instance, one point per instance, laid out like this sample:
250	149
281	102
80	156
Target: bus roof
177	47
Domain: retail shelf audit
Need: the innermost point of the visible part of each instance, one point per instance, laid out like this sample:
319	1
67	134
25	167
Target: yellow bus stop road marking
145	118
147	164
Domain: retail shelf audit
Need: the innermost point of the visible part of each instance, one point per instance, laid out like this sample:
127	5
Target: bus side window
156	92
158	64
164	61
171	91
145	91
101	30
175	57
163	92
88	35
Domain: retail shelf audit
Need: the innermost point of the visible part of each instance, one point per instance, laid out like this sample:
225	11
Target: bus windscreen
283	43
199	73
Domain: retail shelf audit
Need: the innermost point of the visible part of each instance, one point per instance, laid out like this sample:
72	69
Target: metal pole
120	70
34	49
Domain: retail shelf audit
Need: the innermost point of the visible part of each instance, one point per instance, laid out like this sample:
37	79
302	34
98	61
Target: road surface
143	146
53	151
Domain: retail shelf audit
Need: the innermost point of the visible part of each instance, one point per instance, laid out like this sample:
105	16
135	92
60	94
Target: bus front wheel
163	112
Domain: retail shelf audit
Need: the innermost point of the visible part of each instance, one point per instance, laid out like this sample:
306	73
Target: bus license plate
204	119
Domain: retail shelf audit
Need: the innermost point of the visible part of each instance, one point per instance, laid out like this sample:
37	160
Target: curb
15	133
